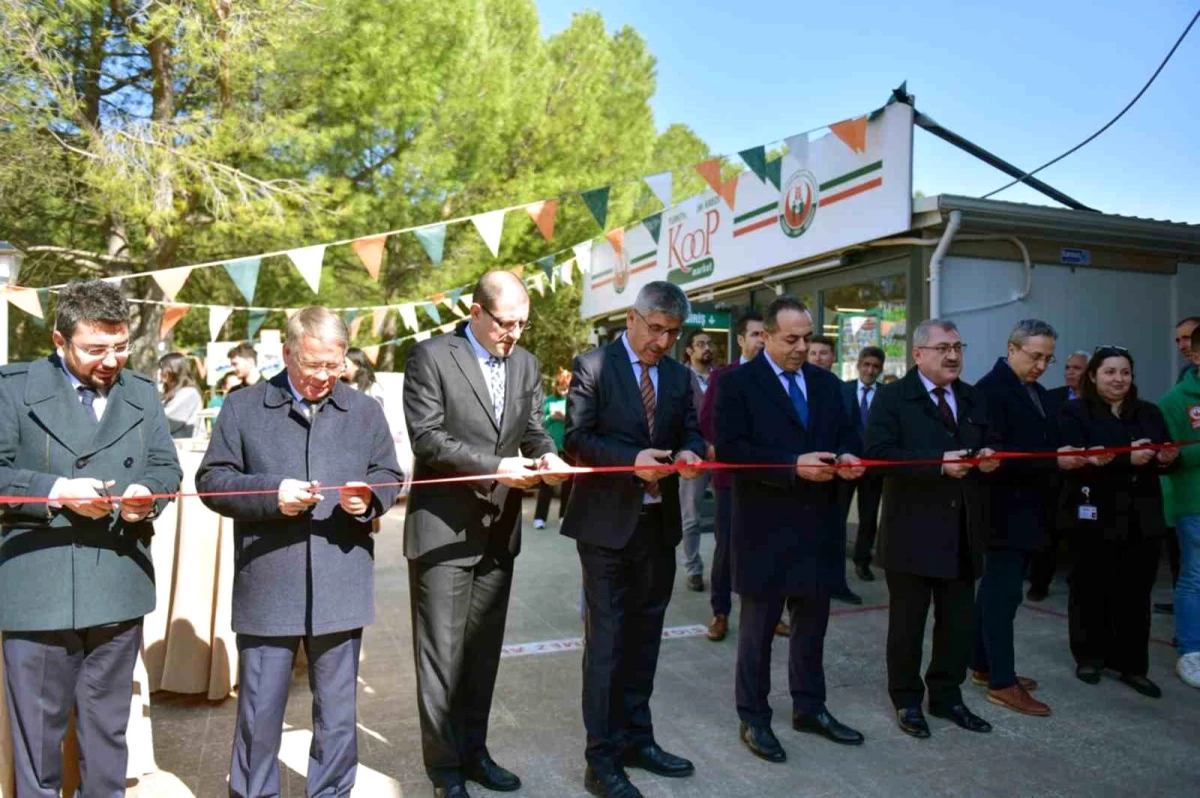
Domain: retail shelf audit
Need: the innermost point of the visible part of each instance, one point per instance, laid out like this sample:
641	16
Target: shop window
871	313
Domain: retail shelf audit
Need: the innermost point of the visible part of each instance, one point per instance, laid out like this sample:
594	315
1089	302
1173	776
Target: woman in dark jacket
1115	506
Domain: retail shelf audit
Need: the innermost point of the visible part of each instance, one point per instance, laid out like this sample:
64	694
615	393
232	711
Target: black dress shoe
864	573
652	758
614	784
1087	673
963	718
1142	685
912	721
762	742
848	596
695	582
451	791
826	725
485	771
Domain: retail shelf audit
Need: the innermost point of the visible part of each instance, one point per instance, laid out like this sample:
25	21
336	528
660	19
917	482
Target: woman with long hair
1115	503
180	396
360	376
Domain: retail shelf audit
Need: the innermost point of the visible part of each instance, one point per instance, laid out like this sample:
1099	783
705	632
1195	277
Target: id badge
1087	511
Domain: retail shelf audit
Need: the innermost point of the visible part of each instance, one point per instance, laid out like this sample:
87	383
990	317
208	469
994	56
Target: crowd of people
305	465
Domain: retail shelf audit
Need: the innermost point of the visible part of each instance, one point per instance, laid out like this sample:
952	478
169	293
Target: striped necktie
649	402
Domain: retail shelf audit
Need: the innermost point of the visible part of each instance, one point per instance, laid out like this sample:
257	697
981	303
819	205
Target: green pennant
432	312
597	201
546	264
773	171
244	274
756	159
257	317
454	294
653	225
349	316
433	239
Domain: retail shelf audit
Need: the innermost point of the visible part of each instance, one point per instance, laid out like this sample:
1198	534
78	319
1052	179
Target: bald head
499	311
498	286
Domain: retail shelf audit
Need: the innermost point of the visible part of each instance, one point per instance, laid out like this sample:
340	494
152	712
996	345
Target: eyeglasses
513	325
945	349
657	330
332	369
1047	360
100	352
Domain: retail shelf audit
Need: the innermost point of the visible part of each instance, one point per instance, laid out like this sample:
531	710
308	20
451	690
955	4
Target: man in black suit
1023	494
629	405
933	529
784	532
473	405
858	396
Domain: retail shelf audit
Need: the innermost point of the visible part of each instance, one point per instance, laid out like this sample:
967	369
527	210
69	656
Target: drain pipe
935	263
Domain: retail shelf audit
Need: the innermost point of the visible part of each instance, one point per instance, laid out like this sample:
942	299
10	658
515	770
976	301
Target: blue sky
1026	80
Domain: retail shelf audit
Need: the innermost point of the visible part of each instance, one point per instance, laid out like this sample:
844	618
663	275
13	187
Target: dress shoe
826	725
652	758
980	678
695	583
1166	608
485	771
1087	673
1142	685
963	718
609	785
864	573
451	791
762	742
847	596
1037	594
718	627
783	630
912	721
1018	699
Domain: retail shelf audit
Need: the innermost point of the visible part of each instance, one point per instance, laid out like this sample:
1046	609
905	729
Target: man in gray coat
304	558
77	431
473	404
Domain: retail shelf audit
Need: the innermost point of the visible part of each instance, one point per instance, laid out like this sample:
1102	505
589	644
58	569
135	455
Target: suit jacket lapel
773	388
121	413
661	407
56	405
468	363
627	381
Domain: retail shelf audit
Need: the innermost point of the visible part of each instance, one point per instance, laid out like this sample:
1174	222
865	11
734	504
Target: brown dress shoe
980	679
718	627
1018	699
783	630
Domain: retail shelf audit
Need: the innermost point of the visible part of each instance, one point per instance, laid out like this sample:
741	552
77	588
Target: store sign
1076	257
830	196
716	319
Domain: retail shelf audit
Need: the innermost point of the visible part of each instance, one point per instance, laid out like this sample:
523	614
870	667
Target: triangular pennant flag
536	281
543	214
653	225
257	317
546	264
217	316
774	172
432	312
454	294
372	353
518	270
43	295
583	256
171	316
370	252
423	335
378	317
617	239
852	132
728	191
308	263
756	159
491	227
433	239
349	315
289	312
448	328
565	272
798	147
27	300
597	202
244	274
661	185
467	299
171	280
355	325
408	314
710	170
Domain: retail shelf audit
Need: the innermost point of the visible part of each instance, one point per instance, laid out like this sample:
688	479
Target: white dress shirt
637	377
783	379
870	396
484	356
950	400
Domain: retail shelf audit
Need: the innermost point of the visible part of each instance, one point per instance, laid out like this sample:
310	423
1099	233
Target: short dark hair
1087	385
89	301
747	317
823	339
785	302
872	351
692	335
244	349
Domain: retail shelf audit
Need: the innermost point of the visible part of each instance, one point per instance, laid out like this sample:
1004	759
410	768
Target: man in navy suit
780	410
858	396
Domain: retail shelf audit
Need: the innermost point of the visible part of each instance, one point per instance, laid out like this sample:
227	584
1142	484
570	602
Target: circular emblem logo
621	271
1194	412
799	200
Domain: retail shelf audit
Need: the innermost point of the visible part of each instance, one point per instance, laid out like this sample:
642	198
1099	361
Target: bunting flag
171	316
617	239
546	264
348	316
467	300
255	322
565	271
217	316
537	282
171	281
798	147
597	202
543	214
432	312
289	312
661	185
448	328
433	239
518	270
774	172
372	353
370	252
756	159
308	262
710	170
26	299
455	294
423	335
244	274
355	325
378	317
491	227
653	225
408	314
583	256
852	132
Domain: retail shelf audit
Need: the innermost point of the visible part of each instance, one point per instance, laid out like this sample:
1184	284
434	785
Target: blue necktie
797	397
864	407
88	397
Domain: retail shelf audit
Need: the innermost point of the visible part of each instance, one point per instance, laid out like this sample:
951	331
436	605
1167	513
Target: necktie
88	397
649	402
864	406
797	397
1036	401
495	368
944	411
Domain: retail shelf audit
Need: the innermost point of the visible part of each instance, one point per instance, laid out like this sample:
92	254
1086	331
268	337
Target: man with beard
697	348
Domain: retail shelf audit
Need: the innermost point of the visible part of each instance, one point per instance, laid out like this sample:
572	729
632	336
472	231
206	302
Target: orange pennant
617	239
171	316
543	214
372	353
852	132
728	191
355	324
370	252
710	170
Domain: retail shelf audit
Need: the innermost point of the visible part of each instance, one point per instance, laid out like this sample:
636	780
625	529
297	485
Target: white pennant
566	270
467	299
308	263
798	147
661	185
409	315
491	226
217	316
171	280
27	300
583	257
423	335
